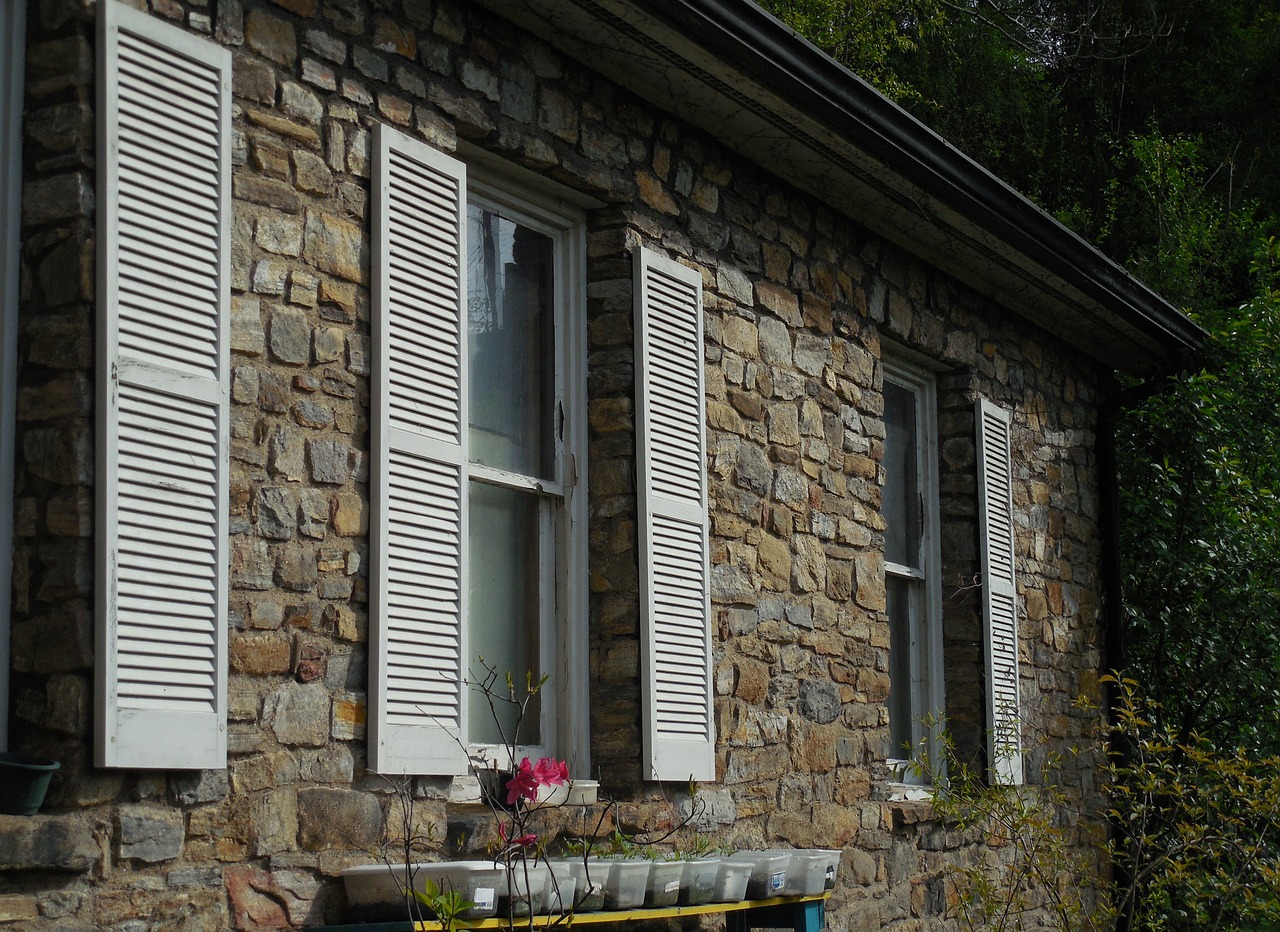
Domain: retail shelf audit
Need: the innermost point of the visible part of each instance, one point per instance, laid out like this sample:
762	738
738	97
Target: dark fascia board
730	67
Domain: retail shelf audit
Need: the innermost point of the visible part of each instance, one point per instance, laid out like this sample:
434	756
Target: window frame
537	204
927	698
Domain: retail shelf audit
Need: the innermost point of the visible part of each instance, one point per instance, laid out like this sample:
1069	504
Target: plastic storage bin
768	872
698	882
375	891
624	888
520	891
807	873
663	888
833	865
731	881
588	893
561	889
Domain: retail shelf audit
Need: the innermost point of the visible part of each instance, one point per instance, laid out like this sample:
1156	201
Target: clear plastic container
520	891
833	865
698	882
625	886
768	872
375	892
807	873
663	887
562	887
588	891
731	881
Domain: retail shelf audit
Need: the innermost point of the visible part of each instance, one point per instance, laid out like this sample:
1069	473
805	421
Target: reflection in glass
899	594
509	344
901	501
504	577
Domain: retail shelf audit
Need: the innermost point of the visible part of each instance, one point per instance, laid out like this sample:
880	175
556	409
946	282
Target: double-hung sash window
912	565
519	466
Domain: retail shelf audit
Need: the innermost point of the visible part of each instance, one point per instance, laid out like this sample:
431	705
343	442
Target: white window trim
919	378
545	209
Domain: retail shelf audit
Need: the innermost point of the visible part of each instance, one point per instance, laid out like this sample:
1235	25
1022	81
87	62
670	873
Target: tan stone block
869	572
18	906
774	560
653	193
335	245
259	654
1037	605
391	36
350	716
271	37
311	173
779	301
282	127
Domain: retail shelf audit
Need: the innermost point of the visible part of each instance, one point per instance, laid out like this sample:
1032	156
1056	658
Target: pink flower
524	841
550	772
523	783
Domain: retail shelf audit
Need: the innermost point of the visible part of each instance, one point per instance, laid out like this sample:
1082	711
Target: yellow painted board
626	915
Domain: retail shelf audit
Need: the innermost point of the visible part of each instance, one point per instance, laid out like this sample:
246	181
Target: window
518	275
912	564
479	509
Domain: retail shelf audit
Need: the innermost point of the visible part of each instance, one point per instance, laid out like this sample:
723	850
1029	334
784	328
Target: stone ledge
46	842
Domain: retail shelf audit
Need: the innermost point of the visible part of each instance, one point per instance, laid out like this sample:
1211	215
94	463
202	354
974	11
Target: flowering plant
524	783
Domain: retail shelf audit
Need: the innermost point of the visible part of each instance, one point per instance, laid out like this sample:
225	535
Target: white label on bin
597	888
483	897
672	886
831	873
777	880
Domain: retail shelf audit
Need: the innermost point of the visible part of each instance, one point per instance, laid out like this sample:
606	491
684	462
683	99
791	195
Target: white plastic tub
520	891
807	873
698	882
768	872
731	881
562	886
833	865
663	887
625	885
375	892
589	883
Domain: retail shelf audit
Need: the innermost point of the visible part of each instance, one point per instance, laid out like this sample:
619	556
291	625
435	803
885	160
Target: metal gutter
756	42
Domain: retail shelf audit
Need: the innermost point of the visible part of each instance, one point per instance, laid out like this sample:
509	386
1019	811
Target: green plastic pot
23	782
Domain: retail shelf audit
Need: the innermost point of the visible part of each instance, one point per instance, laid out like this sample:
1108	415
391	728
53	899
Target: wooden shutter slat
679	733
418	655
995	506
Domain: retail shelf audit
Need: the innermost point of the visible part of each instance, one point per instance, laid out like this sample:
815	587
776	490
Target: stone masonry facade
800	303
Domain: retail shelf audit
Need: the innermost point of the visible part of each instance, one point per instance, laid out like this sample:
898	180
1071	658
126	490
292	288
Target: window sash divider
908	572
513	480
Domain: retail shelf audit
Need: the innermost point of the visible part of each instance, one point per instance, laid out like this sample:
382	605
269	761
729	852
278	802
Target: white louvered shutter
419	641
164	221
679	733
1000	592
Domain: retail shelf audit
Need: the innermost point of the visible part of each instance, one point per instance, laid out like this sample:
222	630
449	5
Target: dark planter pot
23	782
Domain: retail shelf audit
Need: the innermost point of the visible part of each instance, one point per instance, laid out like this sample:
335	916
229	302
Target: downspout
13	38
1115	650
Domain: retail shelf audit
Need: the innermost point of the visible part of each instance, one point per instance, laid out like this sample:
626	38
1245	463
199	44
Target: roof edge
761	45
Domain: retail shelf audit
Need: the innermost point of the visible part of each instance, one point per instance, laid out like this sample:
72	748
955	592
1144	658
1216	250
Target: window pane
505	591
903	705
901	484
510	341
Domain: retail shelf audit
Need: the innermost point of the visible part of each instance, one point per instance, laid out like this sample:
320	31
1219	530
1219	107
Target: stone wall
798	301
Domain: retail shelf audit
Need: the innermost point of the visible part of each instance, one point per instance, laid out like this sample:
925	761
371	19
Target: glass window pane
903	706
510	315
901	501
505	592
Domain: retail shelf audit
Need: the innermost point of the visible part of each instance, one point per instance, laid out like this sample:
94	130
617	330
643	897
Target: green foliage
1201	534
1032	868
1196	827
447	906
863	35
